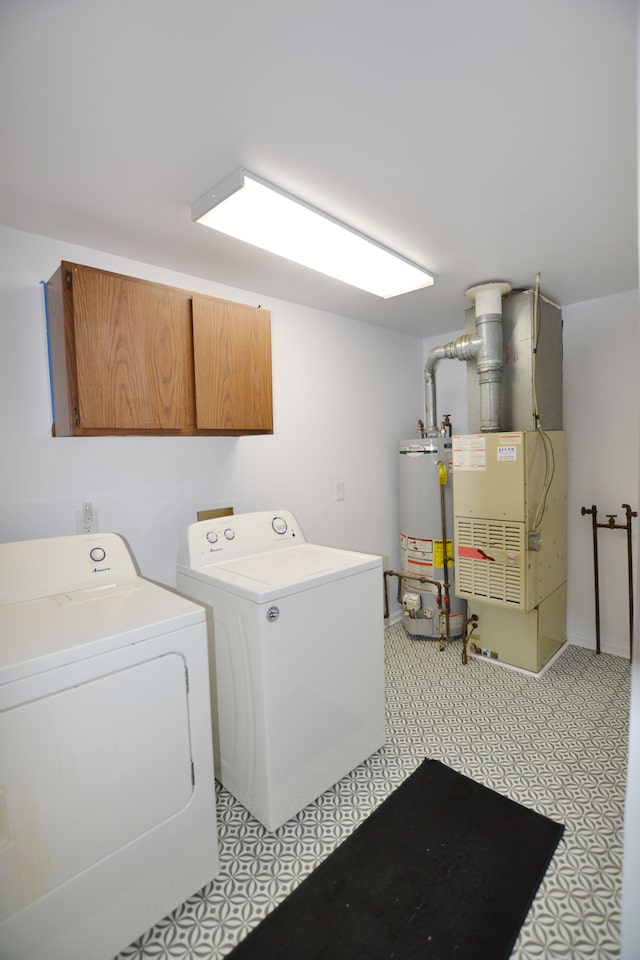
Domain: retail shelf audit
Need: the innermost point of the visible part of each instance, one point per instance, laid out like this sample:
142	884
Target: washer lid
272	574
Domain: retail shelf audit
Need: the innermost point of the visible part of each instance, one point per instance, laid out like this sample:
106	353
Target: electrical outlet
87	518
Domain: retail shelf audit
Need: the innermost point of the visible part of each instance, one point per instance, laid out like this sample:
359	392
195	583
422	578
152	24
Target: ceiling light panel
248	208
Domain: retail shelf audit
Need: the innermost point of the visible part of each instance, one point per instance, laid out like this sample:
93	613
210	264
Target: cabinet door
232	356
134	353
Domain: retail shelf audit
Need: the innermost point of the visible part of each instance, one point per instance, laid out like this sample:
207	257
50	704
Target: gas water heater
430	606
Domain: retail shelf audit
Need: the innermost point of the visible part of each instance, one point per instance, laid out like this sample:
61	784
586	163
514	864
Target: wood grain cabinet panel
232	366
133	357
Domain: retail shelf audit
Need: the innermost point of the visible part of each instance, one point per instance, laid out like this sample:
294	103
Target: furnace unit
510	519
508	480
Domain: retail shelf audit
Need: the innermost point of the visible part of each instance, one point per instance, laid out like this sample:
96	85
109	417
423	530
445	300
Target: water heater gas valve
411	602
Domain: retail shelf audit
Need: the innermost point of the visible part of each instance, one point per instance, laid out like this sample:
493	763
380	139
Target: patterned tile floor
556	743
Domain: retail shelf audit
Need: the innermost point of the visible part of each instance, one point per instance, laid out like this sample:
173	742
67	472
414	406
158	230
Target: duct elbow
465	347
434	355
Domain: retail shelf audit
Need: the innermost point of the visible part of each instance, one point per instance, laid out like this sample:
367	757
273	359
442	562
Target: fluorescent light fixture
248	208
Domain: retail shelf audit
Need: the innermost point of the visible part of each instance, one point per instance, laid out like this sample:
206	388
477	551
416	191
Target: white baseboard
616	646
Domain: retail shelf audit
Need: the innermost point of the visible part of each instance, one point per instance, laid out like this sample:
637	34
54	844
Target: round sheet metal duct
490	355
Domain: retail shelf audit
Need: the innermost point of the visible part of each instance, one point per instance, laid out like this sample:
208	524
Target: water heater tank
426	537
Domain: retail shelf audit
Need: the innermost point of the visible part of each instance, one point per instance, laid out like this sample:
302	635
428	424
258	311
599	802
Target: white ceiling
483	140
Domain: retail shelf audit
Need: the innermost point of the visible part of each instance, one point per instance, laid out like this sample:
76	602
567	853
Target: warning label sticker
438	560
470	452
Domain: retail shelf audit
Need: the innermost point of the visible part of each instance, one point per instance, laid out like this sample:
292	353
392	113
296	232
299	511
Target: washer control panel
223	538
280	525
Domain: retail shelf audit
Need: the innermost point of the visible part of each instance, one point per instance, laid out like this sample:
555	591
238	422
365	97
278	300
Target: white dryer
107	803
297	657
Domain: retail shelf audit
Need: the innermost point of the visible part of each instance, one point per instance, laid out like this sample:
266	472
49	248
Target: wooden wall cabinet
133	357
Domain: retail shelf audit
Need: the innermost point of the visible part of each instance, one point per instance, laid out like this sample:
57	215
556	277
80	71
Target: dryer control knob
229	533
279	524
97	554
212	536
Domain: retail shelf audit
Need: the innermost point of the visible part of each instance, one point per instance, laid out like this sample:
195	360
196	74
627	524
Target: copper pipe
630	513
612	525
419	579
445	561
408	576
594	525
466	634
387	573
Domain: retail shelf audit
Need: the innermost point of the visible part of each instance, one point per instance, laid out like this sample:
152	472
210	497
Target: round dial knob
279	524
97	554
212	536
229	533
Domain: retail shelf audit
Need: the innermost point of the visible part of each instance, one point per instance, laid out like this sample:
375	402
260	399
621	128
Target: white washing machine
297	657
107	803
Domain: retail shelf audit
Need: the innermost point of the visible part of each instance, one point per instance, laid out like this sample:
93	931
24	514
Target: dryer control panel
30	569
224	538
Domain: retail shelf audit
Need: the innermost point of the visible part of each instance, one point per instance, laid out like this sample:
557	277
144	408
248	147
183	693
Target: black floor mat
444	869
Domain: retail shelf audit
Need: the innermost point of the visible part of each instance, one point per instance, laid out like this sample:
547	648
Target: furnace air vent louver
491	561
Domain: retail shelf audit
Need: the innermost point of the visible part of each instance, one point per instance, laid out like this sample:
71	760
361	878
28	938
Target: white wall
601	420
631	862
630	926
344	392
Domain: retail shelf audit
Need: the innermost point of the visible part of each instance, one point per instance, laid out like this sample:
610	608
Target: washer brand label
272	614
100	569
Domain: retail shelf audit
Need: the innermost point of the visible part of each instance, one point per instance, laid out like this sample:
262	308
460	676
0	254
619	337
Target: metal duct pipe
490	356
486	345
464	348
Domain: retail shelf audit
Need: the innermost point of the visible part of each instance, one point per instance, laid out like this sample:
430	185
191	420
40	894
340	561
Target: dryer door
87	769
